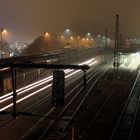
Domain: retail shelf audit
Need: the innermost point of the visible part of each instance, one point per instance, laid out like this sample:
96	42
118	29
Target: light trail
48	78
72	73
4	69
38	83
24	88
18	101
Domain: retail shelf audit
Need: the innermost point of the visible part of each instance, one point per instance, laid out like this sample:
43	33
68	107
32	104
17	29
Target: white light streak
38	83
18	101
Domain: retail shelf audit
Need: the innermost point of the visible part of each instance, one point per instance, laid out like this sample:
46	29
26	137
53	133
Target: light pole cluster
69	39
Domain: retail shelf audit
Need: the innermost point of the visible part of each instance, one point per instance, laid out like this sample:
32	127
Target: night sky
27	19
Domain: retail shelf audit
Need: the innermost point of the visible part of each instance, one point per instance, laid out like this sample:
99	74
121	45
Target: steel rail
122	130
64	112
67	95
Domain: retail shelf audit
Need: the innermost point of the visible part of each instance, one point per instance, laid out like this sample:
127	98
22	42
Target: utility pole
116	49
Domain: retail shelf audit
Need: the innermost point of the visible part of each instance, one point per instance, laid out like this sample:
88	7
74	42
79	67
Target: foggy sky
27	19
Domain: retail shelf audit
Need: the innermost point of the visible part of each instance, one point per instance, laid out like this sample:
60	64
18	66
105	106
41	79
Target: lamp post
46	37
67	34
2	30
46	34
89	39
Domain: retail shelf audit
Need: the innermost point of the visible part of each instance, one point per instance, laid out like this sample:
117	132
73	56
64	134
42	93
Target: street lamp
67	34
46	34
2	30
46	37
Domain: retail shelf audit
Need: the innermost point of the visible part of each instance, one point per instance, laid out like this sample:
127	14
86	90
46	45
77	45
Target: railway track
66	114
36	116
126	122
28	91
102	109
87	109
30	110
